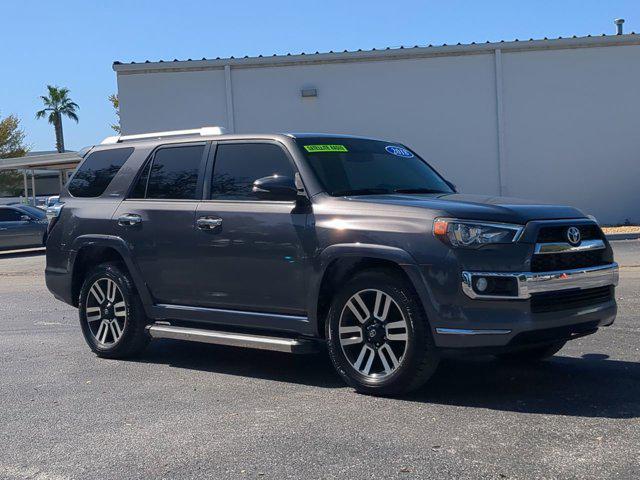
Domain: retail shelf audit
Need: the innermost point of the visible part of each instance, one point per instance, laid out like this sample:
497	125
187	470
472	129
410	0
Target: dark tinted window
354	166
238	165
9	215
174	173
97	171
33	211
140	188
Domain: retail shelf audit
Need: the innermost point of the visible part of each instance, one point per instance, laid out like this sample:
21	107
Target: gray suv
291	241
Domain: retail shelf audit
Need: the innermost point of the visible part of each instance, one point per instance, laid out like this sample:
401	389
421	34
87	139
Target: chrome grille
545	260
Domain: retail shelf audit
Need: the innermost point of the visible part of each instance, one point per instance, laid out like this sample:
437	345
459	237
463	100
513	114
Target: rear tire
535	354
384	347
112	317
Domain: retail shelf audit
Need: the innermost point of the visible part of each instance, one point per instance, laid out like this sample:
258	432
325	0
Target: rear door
254	260
157	220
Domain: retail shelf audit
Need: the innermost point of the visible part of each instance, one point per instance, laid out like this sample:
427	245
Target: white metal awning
61	162
50	161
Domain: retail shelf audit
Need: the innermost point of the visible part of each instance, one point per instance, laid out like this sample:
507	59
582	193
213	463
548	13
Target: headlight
472	234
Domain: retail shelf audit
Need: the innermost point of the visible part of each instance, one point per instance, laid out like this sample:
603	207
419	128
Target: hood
478	207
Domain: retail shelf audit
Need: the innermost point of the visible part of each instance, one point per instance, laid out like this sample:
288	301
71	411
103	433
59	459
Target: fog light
481	284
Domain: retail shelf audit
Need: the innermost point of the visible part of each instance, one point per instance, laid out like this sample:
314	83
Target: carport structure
60	162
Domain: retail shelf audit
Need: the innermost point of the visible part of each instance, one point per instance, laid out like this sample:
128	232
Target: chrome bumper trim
464	331
539	282
561	247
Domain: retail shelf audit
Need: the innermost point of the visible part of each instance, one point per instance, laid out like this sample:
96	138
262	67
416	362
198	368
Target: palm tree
58	104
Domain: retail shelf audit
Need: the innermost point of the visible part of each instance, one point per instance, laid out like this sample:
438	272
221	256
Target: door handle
208	223
129	220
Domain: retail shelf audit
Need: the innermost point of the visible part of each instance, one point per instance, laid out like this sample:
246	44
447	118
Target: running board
278	344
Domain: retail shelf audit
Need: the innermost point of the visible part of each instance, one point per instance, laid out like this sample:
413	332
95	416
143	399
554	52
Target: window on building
238	165
96	172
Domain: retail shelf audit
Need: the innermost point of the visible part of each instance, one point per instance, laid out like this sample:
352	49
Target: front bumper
472	321
530	283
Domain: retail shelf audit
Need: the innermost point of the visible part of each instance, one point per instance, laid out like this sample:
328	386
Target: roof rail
204	131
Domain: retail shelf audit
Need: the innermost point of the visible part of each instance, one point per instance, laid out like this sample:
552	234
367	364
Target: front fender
400	257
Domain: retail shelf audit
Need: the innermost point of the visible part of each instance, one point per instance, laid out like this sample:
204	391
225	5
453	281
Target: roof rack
203	132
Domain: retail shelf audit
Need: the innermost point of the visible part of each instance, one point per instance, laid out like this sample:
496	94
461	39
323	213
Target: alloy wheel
373	333
106	311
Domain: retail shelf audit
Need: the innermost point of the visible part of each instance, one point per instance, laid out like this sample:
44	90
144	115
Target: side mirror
275	187
25	218
452	186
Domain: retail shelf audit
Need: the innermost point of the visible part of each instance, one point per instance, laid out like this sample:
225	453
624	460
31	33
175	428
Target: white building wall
171	101
572	122
444	108
569	116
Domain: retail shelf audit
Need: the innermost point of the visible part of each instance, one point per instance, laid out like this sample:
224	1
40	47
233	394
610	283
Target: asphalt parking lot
203	411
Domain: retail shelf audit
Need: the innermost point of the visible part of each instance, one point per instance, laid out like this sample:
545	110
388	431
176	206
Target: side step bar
278	344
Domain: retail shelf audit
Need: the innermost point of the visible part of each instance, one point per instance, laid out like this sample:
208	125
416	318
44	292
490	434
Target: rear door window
238	165
172	173
96	172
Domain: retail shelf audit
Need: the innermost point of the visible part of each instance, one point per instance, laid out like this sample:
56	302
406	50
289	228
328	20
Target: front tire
378	337
112	317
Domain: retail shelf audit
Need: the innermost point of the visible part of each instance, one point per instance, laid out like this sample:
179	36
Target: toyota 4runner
285	242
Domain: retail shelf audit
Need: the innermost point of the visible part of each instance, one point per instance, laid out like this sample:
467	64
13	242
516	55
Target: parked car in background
22	226
51	201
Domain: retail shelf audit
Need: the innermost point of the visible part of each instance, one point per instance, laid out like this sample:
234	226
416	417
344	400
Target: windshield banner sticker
325	148
398	151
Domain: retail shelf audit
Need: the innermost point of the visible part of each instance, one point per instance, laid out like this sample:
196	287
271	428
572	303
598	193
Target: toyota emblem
573	235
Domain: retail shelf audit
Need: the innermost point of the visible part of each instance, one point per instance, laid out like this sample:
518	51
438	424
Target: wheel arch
91	250
337	263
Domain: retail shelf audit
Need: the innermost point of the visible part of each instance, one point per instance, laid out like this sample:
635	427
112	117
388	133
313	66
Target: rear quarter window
95	174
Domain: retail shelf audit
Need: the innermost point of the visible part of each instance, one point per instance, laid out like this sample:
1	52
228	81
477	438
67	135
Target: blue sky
74	43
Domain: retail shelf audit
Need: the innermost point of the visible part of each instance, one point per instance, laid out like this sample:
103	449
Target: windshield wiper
418	190
361	191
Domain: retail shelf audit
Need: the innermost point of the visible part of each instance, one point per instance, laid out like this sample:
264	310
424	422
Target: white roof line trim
203	132
395	53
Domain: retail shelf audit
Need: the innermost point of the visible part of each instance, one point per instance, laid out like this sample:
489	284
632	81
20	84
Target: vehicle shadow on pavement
314	369
591	386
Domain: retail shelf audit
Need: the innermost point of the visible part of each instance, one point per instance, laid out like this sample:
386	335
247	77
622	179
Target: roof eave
389	53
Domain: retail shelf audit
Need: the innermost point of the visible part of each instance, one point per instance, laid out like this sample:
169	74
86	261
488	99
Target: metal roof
53	161
416	51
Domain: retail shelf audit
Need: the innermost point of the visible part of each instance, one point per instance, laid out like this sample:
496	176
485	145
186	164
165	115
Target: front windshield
355	166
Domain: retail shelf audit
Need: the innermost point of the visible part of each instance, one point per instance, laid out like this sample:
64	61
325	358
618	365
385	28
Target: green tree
11	138
57	105
11	145
113	98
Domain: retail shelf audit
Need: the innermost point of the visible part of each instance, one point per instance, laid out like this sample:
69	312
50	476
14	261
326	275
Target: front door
157	221
254	257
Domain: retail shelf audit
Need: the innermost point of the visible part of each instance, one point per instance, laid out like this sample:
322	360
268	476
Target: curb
622	236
